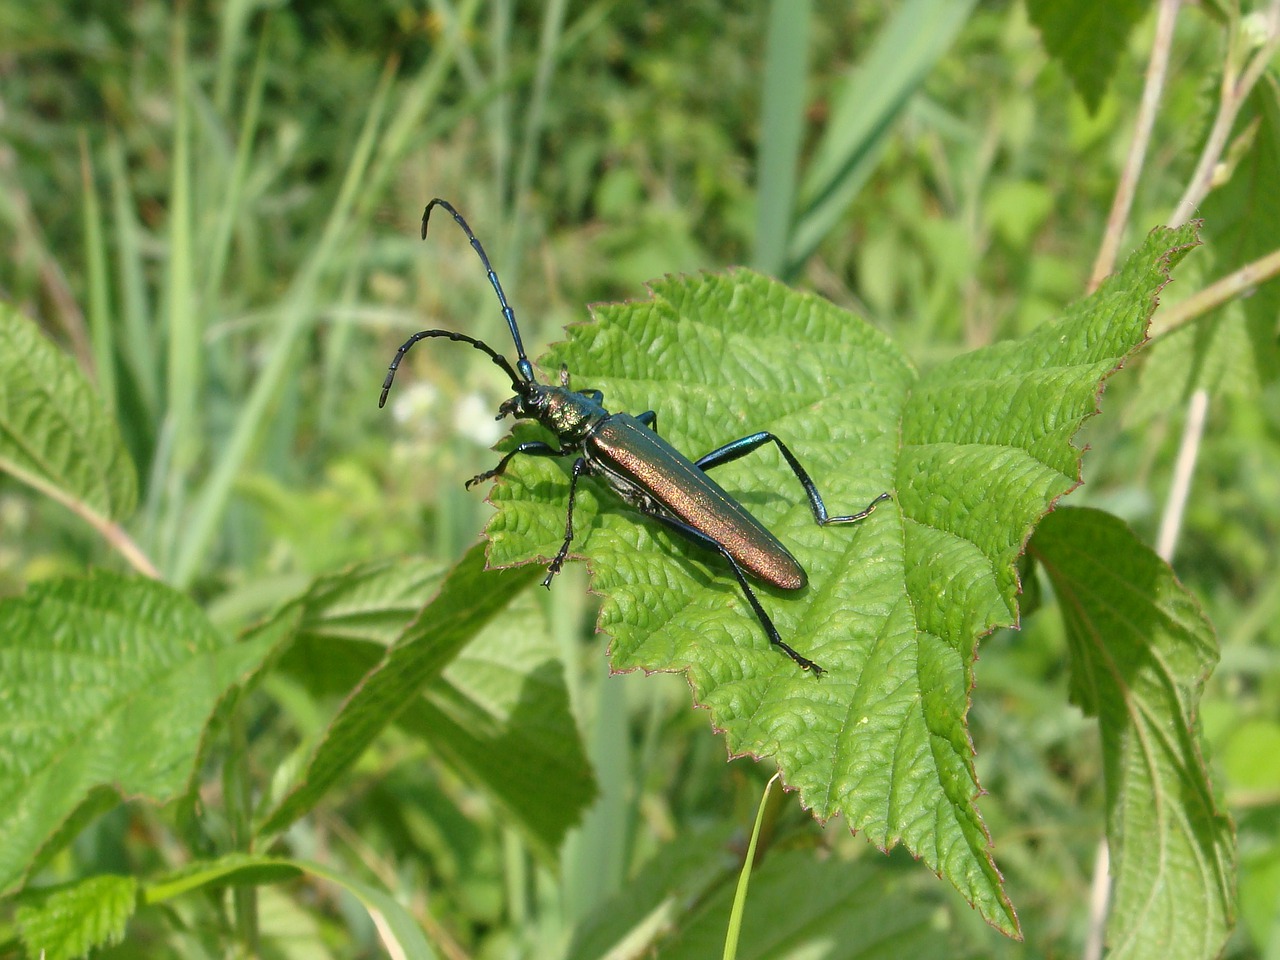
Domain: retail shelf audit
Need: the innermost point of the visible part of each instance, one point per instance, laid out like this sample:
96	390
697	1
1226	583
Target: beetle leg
580	466
533	448
649	419
740	448
697	536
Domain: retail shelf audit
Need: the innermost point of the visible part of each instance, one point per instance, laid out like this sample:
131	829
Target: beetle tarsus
862	514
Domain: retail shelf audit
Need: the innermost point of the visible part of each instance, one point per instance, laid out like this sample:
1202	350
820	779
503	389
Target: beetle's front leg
533	448
580	466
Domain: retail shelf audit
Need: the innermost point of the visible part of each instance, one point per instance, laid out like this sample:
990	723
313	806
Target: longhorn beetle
643	469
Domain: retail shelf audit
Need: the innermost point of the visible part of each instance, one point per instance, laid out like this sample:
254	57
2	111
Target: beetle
642	468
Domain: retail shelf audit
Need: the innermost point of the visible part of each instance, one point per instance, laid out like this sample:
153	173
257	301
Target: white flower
473	418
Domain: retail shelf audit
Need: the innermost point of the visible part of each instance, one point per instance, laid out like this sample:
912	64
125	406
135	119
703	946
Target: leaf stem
108	529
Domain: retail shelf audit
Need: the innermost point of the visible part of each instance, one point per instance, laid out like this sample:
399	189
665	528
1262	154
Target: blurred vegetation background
215	208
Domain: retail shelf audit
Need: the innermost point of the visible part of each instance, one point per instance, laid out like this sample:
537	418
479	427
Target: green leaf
799	906
974	453
109	682
71	920
1087	37
1141	651
499	714
56	433
782	121
463	603
397	928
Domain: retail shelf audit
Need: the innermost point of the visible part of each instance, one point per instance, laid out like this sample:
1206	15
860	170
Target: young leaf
71	920
55	432
109	682
1141	651
974	453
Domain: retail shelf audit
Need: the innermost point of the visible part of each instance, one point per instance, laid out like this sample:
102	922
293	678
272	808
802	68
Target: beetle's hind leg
741	447
697	536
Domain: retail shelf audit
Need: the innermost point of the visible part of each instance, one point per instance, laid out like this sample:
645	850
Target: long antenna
522	364
496	357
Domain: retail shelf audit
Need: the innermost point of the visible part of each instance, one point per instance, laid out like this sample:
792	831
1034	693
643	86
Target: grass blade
786	65
744	878
865	112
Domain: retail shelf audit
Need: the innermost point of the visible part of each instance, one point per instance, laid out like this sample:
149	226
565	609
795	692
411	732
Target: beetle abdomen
633	453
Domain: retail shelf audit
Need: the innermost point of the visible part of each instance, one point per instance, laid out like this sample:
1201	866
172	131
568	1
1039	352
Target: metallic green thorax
570	415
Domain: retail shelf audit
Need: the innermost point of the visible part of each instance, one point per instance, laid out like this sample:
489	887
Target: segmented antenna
522	364
493	355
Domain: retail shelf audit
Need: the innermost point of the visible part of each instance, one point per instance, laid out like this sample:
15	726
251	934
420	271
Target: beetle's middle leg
740	448
698	537
580	466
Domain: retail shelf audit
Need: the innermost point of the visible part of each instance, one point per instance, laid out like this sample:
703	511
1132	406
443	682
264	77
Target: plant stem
1184	469
1236	88
1216	294
744	878
1157	70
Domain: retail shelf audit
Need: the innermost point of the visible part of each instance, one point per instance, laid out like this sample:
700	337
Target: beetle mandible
639	465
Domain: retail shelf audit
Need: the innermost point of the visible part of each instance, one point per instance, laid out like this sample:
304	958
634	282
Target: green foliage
864	112
1238	352
112	682
70	921
500	715
1141	650
54	433
817	903
292	741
